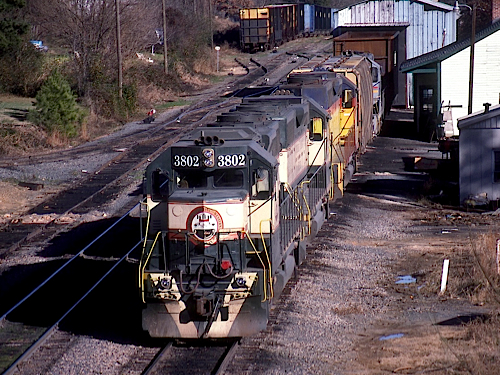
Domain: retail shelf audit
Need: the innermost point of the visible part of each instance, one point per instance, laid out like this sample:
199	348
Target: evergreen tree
56	107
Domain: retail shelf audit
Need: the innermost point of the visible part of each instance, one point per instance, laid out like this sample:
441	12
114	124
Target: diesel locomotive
232	205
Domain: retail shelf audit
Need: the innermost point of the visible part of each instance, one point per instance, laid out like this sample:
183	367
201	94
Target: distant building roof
431	3
443	53
474	118
373	35
390	24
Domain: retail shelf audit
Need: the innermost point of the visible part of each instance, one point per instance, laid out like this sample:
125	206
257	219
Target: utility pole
165	59
471	63
210	15
119	49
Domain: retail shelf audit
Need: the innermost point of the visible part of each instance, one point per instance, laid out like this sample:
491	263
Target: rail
79	254
46	335
212	358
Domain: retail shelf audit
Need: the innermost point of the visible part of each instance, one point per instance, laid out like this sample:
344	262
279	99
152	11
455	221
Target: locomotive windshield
198	179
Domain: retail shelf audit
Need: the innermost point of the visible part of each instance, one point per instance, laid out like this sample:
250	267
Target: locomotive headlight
208	163
208	153
241	282
165	283
208	157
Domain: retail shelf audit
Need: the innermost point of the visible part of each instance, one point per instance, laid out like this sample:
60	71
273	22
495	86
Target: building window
427	100
496	170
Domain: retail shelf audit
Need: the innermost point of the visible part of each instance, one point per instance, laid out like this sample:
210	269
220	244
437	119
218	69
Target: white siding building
441	79
486	81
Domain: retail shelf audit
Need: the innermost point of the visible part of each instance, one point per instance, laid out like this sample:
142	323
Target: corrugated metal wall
432	25
428	30
477	146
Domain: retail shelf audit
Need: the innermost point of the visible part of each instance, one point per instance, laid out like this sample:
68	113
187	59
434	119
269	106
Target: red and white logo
204	224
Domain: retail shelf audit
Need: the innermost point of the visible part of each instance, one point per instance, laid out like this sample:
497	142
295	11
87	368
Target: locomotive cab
201	271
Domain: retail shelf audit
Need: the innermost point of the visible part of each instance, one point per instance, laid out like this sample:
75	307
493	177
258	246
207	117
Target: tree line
82	40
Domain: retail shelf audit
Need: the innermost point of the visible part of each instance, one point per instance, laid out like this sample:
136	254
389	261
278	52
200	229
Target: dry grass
483	274
475	347
481	283
22	139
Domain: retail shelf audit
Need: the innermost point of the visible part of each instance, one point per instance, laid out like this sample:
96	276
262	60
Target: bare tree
87	29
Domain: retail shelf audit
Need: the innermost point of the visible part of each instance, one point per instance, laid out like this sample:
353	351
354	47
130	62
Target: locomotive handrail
296	201
261	261
308	208
147	223
262	204
142	267
296	207
293	196
306	201
267	254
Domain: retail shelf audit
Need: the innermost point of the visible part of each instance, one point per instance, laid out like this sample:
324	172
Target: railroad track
98	190
192	358
45	307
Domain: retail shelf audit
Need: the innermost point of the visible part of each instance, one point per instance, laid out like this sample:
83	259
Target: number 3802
186	161
231	160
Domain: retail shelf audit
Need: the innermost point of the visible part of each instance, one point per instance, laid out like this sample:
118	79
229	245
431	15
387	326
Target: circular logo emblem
205	224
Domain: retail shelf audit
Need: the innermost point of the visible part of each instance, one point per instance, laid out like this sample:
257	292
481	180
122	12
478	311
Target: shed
441	80
479	154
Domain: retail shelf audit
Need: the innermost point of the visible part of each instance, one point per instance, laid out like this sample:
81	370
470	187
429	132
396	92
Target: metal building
430	24
479	154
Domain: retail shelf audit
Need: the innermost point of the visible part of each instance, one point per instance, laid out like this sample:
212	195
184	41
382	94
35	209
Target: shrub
56	107
20	70
108	104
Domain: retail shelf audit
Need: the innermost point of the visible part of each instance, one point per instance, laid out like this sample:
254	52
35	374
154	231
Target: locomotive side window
347	98
316	129
159	185
260	184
